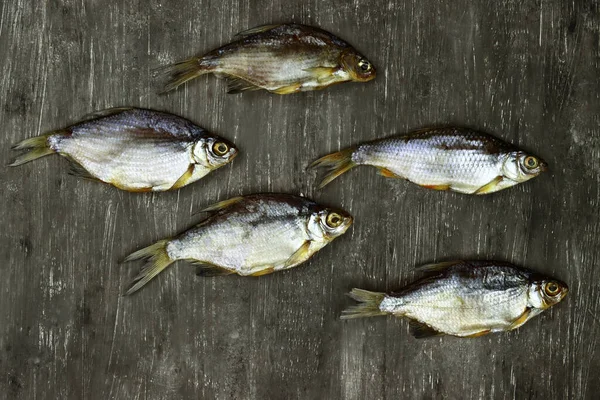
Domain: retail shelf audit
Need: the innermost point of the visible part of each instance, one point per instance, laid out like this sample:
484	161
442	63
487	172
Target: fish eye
334	220
220	148
364	65
551	289
531	162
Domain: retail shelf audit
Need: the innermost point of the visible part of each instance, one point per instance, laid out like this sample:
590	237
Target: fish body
465	299
282	59
135	149
457	159
250	236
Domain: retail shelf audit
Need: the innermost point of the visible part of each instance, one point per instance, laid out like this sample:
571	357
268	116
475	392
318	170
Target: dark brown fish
282	59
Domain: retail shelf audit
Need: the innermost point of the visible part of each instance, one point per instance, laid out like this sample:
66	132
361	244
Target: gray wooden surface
527	71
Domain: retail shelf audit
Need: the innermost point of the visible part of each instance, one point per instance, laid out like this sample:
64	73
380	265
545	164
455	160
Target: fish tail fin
183	71
337	163
37	147
158	261
368	307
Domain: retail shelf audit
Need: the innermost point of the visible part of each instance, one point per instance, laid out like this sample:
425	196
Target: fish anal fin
264	271
78	170
420	330
221	205
437	267
437	187
288	89
255	30
521	320
387	173
207	270
239	85
185	178
478	334
299	256
490	187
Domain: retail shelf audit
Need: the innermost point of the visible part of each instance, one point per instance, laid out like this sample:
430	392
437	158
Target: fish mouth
543	166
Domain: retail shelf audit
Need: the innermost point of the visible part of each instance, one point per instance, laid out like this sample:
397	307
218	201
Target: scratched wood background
527	71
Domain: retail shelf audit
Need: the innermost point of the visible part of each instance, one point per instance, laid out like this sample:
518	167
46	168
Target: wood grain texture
527	71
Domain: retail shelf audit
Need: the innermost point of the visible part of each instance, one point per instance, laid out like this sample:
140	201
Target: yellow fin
387	173
184	179
288	89
323	74
478	334
490	187
265	271
437	187
299	256
159	260
222	204
37	147
338	163
521	320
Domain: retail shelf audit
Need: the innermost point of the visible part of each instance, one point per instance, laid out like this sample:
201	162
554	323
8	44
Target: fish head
545	292
520	166
358	67
213	152
327	223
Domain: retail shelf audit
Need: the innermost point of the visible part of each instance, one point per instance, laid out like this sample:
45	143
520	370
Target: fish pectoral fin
206	270
299	256
221	205
257	29
105	113
323	74
387	173
490	187
437	267
478	334
420	330
288	89
185	178
437	187
521	320
264	271
239	85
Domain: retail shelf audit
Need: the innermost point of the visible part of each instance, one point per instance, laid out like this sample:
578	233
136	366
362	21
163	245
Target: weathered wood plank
527	71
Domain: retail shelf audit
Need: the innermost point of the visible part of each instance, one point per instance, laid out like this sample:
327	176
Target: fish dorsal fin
299	256
222	204
420	330
437	267
238	85
255	30
105	113
206	270
490	187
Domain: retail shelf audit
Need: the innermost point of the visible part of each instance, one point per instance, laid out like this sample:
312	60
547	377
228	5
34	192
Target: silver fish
250	236
282	59
461	160
465	299
134	149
